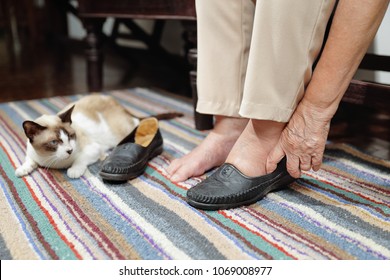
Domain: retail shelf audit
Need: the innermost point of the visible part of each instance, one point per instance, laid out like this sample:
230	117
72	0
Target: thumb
276	155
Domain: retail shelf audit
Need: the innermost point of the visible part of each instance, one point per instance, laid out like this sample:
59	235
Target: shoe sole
277	185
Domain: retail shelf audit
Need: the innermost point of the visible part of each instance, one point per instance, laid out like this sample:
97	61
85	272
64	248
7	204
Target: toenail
174	178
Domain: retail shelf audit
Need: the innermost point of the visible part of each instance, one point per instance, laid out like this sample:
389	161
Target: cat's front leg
90	154
76	171
26	168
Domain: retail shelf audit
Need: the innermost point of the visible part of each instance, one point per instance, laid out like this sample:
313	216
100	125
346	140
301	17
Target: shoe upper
229	185
134	151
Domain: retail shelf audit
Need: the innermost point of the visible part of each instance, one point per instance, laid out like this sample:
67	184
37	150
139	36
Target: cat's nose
69	151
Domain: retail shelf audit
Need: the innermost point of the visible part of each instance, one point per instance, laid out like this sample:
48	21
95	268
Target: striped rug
340	212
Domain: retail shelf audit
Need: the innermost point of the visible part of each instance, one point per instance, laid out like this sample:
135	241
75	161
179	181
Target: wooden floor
54	70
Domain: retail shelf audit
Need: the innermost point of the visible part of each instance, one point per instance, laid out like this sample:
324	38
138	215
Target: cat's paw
75	172
23	170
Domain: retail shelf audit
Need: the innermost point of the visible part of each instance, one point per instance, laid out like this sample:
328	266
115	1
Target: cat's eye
53	142
72	136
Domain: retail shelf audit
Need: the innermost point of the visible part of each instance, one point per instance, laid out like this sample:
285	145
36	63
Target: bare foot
211	152
249	153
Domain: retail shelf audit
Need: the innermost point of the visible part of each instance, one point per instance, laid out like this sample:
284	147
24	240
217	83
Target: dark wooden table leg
94	54
202	121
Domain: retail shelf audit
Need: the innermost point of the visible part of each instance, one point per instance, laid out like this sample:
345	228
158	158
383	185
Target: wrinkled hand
302	141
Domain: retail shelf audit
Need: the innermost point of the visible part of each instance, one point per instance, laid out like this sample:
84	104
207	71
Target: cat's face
52	137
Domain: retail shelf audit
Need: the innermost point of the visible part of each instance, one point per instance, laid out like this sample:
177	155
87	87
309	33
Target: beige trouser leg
254	61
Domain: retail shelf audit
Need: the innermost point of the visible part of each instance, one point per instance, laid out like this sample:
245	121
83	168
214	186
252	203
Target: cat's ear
32	128
66	116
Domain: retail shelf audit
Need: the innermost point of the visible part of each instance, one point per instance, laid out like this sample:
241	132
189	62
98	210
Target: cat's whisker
50	161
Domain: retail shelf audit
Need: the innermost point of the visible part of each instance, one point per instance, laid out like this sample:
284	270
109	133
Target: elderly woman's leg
287	39
224	34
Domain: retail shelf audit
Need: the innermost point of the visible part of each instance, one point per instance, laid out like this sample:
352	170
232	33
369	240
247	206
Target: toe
173	166
186	171
179	176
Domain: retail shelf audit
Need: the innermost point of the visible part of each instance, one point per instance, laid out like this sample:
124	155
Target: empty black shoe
229	188
131	156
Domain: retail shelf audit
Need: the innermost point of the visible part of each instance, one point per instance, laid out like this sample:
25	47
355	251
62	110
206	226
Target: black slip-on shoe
229	188
130	157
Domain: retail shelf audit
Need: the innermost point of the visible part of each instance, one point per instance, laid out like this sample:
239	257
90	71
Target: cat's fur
76	137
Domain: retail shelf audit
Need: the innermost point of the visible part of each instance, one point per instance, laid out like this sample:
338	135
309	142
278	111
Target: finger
305	162
274	157
293	166
316	162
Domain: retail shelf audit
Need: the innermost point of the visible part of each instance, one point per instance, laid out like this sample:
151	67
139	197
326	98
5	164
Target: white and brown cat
78	136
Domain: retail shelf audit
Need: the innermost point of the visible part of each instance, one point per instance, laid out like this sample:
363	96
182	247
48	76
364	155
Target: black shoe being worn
130	157
229	188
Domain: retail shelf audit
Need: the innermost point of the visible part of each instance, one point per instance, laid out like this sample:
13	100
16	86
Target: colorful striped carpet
340	212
